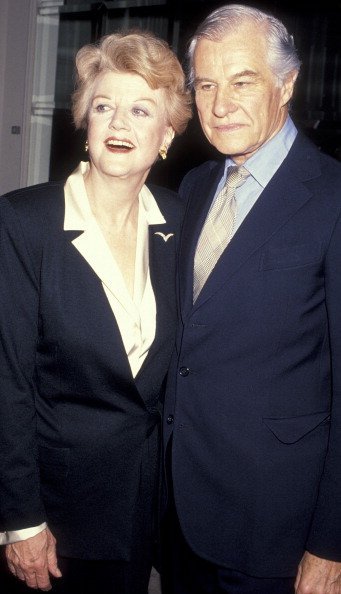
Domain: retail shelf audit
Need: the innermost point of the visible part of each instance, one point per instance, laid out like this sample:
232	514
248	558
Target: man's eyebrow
199	79
245	73
251	73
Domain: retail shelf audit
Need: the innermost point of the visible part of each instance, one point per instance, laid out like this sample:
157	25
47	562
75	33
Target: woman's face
127	125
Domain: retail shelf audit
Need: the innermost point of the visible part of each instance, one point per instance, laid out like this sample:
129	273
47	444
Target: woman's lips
118	145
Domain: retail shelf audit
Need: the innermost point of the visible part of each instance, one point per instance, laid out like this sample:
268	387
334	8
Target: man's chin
228	148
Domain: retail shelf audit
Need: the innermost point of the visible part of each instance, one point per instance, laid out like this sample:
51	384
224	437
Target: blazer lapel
84	286
96	267
161	259
93	247
162	273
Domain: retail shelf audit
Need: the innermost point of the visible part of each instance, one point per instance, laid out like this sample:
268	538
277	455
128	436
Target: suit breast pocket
295	256
292	429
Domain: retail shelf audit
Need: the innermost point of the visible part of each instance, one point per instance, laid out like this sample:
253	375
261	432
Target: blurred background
38	42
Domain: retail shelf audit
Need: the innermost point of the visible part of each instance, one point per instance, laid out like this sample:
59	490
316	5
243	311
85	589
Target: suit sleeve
20	503
325	535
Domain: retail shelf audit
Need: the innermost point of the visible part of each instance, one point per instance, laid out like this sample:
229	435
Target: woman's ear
168	137
167	141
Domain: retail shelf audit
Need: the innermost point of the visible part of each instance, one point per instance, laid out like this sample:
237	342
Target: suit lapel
279	201
267	216
198	205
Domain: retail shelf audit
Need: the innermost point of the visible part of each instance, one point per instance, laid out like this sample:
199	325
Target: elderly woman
87	326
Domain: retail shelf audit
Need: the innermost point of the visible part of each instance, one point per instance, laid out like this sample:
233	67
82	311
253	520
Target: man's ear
288	86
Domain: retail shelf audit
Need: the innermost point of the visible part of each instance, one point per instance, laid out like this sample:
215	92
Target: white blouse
135	316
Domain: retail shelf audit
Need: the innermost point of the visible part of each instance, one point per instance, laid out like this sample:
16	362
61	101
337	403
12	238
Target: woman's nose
119	119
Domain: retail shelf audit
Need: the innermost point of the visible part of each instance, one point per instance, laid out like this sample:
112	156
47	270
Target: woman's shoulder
35	196
167	200
34	204
161	193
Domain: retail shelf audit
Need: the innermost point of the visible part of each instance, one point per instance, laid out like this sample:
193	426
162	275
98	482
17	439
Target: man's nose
223	103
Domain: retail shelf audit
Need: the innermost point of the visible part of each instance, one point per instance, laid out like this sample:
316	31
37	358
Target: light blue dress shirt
262	166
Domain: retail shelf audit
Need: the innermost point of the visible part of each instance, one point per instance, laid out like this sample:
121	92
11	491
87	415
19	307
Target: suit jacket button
170	419
184	371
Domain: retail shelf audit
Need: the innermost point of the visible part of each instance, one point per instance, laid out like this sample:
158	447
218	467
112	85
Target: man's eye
205	87
241	84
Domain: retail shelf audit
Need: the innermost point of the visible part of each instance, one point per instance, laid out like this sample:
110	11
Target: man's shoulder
308	156
203	169
199	174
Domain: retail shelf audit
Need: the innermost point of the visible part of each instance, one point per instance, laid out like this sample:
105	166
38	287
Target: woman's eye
101	107
138	111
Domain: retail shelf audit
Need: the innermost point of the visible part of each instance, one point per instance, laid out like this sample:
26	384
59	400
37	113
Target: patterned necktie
218	228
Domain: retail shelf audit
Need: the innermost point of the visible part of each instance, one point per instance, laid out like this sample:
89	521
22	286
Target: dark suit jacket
255	386
74	422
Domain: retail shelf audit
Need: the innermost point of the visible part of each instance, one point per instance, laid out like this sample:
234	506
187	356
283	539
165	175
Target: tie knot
236	176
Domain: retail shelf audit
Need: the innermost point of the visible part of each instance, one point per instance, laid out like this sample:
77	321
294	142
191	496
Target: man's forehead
233	54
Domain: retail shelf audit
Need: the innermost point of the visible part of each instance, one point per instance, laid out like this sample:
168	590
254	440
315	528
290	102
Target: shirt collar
77	208
265	161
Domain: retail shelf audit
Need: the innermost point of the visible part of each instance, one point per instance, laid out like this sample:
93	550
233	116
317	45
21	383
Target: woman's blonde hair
136	52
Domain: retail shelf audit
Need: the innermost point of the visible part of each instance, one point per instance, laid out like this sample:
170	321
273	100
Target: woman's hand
34	559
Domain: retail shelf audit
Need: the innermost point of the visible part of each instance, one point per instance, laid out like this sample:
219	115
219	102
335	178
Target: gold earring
163	152
86	146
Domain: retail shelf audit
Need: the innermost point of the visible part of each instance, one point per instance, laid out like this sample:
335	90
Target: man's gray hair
282	56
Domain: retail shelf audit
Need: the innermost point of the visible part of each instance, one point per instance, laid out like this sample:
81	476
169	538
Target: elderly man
253	411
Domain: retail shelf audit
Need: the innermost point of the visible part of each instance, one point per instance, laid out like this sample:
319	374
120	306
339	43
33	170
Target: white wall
43	88
3	40
17	42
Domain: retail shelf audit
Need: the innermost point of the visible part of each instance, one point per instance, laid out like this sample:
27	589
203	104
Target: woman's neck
115	206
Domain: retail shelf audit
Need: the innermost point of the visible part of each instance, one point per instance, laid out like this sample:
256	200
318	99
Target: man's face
241	104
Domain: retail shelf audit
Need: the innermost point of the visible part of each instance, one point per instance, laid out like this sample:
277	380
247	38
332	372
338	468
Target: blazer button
170	419
184	371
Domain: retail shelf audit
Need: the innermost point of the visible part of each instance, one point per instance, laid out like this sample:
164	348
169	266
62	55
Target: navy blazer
74	421
254	395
